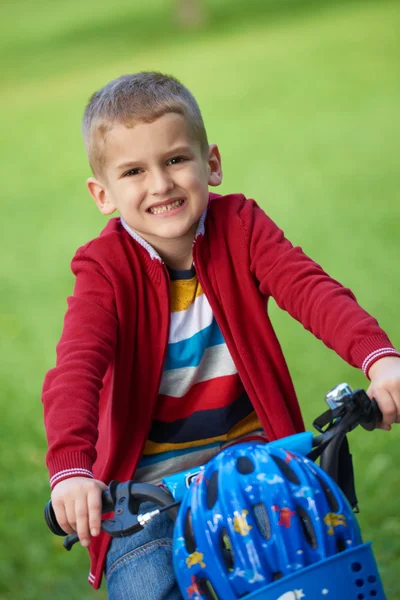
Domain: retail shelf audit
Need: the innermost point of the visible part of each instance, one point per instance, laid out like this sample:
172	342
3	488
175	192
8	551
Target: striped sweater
202	404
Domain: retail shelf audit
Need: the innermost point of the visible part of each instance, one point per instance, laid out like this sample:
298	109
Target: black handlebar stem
332	446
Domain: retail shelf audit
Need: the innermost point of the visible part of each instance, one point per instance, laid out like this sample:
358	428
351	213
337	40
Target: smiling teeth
156	210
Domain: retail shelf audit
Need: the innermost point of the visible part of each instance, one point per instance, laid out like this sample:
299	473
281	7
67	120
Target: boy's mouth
166	207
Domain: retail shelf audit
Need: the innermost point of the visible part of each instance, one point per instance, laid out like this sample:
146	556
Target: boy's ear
214	165
100	195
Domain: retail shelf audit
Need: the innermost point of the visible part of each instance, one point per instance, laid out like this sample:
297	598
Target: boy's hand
77	506
385	388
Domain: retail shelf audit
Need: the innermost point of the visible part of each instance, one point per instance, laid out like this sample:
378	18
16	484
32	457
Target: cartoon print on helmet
196	558
306	492
289	456
255	518
193	591
295	595
240	523
333	520
285	515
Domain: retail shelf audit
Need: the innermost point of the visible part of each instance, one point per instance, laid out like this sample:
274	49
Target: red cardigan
99	399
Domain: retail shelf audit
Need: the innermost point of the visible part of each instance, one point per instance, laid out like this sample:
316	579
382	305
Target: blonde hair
137	98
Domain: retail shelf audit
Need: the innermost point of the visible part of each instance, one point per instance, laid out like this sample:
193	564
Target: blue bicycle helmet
255	518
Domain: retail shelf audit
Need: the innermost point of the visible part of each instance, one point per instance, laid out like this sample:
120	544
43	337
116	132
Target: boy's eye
132	172
176	160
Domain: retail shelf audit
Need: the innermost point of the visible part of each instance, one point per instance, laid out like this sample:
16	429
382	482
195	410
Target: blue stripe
189	352
179	275
152	459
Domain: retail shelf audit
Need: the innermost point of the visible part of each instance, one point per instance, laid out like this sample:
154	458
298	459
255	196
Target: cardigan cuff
71	464
376	355
372	349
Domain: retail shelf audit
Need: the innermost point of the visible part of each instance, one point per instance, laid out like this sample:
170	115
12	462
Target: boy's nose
161	183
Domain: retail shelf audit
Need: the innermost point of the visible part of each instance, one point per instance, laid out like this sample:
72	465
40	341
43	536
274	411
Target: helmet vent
244	465
262	520
206	589
277	575
212	490
190	542
330	496
307	527
227	553
340	545
286	470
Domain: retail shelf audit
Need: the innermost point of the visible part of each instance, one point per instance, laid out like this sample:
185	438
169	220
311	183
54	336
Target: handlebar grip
372	417
52	524
51	520
107	503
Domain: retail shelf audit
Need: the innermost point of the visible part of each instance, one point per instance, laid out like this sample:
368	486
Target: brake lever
347	410
107	502
124	499
125	519
70	541
342	401
128	497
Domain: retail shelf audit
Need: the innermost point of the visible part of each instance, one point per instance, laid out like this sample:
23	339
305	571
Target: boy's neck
177	253
183	263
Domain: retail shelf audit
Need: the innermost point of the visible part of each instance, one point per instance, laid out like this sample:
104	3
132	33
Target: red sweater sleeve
302	288
71	390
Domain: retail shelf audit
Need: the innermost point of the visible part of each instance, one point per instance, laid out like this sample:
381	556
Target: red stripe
206	395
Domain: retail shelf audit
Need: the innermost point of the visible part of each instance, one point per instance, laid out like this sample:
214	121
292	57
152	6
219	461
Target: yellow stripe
184	292
246	425
243	427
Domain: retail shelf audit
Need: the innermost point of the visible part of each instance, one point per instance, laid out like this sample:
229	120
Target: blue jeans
139	567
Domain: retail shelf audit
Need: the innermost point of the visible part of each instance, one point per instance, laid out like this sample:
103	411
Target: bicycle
347	410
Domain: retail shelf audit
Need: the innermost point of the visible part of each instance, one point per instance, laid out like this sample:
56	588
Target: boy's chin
174	233
162	230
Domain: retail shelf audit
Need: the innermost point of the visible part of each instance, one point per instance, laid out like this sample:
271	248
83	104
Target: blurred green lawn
303	99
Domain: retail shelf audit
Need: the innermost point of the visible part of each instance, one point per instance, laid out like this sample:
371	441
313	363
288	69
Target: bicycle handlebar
124	499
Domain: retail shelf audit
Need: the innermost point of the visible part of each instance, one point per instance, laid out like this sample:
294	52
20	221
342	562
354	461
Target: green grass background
303	98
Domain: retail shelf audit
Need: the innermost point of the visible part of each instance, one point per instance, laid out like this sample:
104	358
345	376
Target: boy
167	351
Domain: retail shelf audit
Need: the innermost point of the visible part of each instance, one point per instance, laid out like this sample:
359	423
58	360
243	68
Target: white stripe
69	473
216	362
186	323
377	353
91	578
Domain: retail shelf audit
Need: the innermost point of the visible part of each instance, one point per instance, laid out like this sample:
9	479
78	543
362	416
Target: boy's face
157	177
